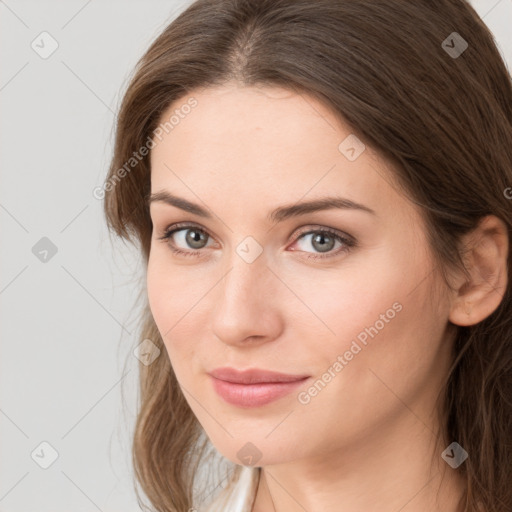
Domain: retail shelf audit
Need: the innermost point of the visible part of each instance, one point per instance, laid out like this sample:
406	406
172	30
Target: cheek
375	316
390	352
363	323
163	298
176	298
374	366
169	289
340	304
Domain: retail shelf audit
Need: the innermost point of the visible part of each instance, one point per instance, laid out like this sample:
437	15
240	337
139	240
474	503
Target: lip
255	387
253	376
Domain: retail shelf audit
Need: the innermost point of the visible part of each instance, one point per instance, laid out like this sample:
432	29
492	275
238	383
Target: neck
389	474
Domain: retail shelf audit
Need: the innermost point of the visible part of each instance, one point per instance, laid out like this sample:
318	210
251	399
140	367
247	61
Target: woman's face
356	315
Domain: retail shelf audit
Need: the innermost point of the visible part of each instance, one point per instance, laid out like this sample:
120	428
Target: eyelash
169	231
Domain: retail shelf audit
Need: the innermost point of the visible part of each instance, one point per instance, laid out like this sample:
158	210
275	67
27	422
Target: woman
321	191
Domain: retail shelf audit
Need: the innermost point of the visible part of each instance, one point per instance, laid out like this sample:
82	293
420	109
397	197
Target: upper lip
253	376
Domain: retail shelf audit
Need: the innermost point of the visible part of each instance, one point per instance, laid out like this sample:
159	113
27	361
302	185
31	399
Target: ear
485	255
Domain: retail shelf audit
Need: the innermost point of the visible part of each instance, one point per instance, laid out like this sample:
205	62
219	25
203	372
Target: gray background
67	322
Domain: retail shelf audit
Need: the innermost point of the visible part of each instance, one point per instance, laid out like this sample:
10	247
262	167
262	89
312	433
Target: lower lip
254	395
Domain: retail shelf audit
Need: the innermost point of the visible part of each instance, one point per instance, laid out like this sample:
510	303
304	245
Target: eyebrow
278	215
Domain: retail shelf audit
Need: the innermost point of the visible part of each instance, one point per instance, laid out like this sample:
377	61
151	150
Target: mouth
253	388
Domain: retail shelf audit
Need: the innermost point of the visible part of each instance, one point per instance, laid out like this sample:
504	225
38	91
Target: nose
247	304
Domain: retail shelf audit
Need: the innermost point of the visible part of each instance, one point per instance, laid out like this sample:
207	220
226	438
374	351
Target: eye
324	240
186	234
193	239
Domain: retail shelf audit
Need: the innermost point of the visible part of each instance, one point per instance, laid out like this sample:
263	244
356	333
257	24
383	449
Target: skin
366	439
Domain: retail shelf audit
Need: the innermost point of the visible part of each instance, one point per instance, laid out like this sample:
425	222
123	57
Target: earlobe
486	250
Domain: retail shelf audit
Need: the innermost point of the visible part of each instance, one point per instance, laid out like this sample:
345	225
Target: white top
240	496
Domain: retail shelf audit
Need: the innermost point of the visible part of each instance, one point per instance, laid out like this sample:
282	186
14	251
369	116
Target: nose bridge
245	283
243	302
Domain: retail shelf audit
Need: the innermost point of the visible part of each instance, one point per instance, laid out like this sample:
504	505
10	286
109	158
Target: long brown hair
436	104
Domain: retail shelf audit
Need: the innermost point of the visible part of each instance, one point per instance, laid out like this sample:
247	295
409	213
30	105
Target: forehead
267	121
260	145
